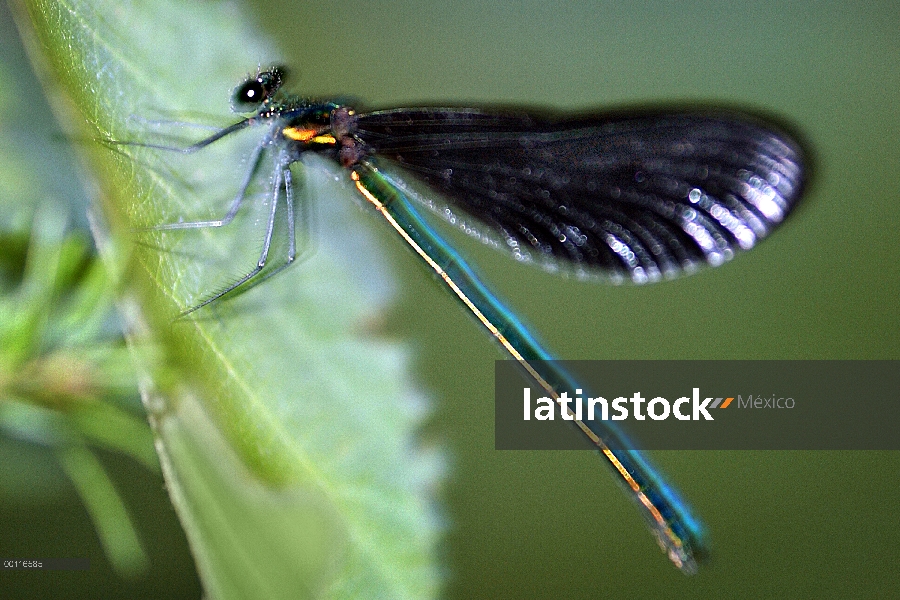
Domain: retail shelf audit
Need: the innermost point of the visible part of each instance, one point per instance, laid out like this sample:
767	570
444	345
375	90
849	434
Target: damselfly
640	195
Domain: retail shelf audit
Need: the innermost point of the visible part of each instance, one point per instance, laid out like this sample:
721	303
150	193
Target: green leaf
105	507
286	433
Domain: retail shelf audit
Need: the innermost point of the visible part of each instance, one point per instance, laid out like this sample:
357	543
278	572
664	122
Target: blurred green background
825	286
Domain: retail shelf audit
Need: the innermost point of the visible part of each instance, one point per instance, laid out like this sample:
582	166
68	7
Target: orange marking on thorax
300	134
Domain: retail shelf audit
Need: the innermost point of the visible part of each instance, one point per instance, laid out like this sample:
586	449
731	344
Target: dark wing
639	195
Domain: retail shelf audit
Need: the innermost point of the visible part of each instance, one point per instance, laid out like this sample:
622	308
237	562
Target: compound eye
254	92
250	94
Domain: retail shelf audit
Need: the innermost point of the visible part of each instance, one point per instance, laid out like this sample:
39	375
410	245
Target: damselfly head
257	90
